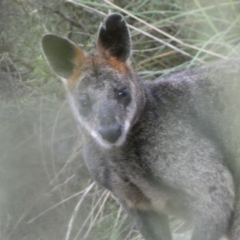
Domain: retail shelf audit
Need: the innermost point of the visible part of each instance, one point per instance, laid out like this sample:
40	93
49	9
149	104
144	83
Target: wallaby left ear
114	39
63	55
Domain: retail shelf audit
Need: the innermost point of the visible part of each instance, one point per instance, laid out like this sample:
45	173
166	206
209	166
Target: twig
73	23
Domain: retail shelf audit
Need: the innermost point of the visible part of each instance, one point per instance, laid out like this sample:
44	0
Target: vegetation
46	192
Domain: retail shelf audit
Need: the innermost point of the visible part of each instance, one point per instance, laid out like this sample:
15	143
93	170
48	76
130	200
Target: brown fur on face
89	61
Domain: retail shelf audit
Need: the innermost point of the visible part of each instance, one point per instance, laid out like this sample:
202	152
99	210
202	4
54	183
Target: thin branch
64	17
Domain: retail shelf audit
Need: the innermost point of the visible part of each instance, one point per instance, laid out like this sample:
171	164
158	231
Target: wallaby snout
110	133
109	128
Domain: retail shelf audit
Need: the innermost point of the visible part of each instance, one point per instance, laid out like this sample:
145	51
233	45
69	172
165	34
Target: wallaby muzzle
110	133
109	128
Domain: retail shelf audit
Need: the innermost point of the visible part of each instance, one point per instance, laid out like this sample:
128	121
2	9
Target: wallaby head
105	95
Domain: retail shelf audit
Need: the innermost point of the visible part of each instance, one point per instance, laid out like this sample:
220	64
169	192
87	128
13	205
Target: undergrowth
46	190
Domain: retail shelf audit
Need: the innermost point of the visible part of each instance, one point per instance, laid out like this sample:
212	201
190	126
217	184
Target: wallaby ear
63	55
114	39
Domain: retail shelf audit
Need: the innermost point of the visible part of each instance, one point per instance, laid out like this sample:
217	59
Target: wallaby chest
148	172
128	171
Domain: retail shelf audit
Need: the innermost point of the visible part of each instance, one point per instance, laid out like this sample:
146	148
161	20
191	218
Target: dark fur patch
114	39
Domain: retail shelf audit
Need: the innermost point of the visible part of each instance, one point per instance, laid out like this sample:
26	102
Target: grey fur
177	150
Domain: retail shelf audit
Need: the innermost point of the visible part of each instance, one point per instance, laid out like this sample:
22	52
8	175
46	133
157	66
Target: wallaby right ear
114	38
63	55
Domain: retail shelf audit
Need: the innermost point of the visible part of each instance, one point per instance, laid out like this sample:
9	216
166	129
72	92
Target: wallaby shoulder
208	77
211	96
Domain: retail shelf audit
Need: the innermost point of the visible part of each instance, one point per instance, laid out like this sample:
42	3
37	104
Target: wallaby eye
123	95
122	92
84	104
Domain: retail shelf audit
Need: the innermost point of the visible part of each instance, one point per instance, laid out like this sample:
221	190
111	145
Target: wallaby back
167	147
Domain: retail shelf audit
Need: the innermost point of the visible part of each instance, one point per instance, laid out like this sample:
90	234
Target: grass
45	187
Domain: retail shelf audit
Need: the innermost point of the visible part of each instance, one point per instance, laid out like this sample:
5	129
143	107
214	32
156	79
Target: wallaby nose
111	133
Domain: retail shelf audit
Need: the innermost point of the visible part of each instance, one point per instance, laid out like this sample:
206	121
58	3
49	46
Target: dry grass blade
166	34
73	217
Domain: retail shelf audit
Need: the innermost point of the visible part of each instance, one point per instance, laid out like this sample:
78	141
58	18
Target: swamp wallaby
164	147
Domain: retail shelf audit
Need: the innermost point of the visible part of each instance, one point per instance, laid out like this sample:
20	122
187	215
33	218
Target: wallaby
168	147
